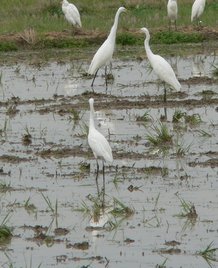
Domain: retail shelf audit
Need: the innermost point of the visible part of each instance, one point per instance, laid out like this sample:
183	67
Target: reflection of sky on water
130	78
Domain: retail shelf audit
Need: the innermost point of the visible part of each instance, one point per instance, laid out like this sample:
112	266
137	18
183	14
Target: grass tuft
209	254
161	136
176	37
8	46
188	209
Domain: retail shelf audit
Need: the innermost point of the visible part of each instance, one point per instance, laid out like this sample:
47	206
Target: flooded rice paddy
161	198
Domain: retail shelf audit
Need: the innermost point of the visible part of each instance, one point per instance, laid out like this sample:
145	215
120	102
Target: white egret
98	143
104	54
172	11
197	9
71	13
160	66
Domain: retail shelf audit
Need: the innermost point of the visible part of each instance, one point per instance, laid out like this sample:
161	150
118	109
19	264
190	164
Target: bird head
122	9
145	31
64	2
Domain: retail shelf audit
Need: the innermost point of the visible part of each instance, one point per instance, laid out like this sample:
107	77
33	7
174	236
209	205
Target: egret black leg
165	93
110	67
93	80
105	75
103	189
169	25
96	179
165	113
175	26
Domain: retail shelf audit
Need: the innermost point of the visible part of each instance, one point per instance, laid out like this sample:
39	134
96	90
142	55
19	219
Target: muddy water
49	101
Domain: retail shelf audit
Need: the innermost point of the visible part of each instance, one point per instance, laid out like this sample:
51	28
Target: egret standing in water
160	66
172	12
71	13
197	9
104	54
98	143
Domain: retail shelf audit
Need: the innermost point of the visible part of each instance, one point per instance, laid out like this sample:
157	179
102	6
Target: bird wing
102	56
72	14
100	145
197	9
165	72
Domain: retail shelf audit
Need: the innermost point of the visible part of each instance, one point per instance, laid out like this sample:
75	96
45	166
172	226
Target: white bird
98	143
104	54
172	11
71	13
197	9
160	66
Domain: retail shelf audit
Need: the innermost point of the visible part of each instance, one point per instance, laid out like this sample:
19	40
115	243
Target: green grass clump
188	209
5	233
161	136
8	46
193	119
209	254
128	39
60	43
178	116
176	37
121	210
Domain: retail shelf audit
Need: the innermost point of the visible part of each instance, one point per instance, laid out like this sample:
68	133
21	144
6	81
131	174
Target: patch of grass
193	120
8	46
5	187
206	94
120	209
188	209
52	207
181	148
145	117
84	167
5	231
176	37
75	115
215	70
53	9
45	16
160	136
178	116
60	43
29	206
29	36
209	254
128	39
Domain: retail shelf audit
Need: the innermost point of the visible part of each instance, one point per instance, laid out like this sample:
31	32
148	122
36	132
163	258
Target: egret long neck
147	47
113	31
91	118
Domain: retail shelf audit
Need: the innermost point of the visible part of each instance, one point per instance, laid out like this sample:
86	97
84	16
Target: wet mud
160	205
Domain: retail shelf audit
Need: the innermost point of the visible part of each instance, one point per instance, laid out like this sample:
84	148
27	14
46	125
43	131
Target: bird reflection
198	66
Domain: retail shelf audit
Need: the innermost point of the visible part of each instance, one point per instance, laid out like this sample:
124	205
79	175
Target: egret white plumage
104	54
98	143
160	66
71	13
197	9
172	11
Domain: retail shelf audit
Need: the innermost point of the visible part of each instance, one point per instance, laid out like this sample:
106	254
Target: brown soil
209	33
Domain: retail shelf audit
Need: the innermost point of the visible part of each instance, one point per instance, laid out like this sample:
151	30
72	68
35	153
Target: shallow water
41	98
